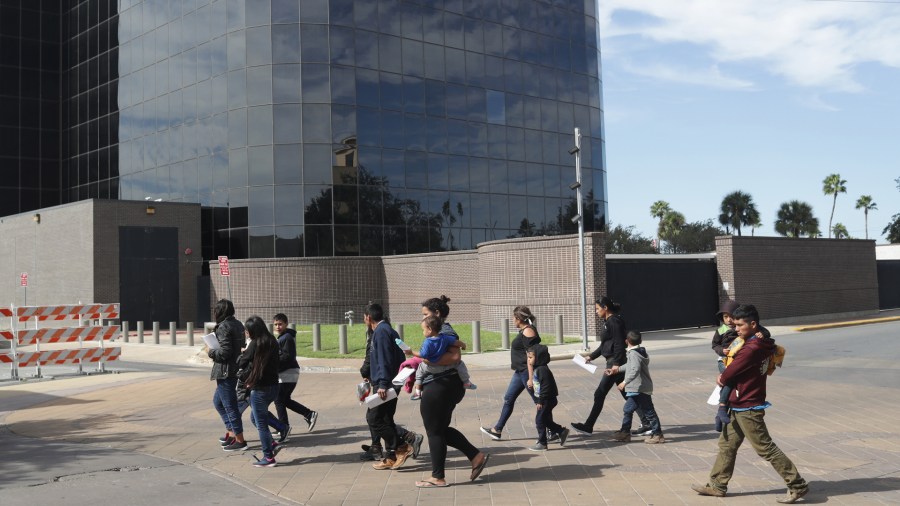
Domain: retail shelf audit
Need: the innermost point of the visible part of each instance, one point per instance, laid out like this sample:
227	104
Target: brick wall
794	278
483	284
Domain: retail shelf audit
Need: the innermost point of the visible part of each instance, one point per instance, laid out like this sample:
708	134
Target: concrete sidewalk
168	415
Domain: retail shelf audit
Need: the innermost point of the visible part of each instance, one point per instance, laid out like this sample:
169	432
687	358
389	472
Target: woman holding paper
612	349
229	339
439	398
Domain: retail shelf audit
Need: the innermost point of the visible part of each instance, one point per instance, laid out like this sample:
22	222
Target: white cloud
711	76
809	44
816	102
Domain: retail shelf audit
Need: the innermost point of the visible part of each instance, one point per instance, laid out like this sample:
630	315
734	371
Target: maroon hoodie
748	373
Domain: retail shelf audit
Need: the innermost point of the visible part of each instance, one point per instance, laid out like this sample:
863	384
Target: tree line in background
794	218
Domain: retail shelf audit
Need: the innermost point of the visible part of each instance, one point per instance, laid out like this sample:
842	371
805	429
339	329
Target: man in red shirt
748	373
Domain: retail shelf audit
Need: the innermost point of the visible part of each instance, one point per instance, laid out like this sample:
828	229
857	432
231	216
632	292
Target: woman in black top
439	398
261	360
522	372
612	348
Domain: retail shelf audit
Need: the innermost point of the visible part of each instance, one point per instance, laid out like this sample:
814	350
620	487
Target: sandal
431	484
476	470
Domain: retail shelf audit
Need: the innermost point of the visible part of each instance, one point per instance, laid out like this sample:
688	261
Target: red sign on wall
223	266
23	279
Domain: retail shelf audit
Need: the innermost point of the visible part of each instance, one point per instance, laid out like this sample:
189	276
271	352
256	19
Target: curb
852	323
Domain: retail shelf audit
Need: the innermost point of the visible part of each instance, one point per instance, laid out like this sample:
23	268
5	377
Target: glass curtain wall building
330	127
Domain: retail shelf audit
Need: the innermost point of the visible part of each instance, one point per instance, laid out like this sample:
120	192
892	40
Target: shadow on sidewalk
20	401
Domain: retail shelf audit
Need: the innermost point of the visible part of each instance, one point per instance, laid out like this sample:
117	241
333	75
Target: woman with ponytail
261	360
612	349
522	371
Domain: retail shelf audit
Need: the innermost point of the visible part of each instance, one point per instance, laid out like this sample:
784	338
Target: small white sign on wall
725	285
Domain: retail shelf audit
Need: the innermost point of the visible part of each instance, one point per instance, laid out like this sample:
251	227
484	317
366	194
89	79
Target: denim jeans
272	420
517	384
226	403
644	403
284	402
259	407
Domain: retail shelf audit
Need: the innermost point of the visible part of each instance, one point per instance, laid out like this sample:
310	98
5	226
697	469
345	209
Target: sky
705	97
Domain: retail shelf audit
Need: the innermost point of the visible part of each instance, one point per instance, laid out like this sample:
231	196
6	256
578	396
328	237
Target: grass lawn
356	340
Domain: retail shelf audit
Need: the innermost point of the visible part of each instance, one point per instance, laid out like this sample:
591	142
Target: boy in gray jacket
638	389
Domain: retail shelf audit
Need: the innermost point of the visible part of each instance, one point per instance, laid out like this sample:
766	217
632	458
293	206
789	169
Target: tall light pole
579	219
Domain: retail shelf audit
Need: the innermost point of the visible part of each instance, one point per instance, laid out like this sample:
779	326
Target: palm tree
754	221
840	231
736	208
866	204
796	219
659	210
671	225
832	185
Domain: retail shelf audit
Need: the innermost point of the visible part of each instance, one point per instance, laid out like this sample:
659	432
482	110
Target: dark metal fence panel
888	284
664	294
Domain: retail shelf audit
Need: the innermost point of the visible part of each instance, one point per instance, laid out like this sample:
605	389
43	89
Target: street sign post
23	282
225	272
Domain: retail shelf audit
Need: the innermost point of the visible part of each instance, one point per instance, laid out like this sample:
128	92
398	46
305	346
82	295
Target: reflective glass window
499	205
315	11
285	11
257	12
237	128
457	137
370	205
285	43
413	58
237	168
261	200
314	43
259	125
343	123
496	141
288	163
368	127
259	85
438	175
260	165
317	204
237	50
346	204
414	131
455	60
415	166
237	207
366	49
237	89
340	12
286	83
259	45
287	123
289	240
411	21
342	45
437	134
261	242
371	241
391	91
315	83
317	164
393	171
434	61
346	240
316	123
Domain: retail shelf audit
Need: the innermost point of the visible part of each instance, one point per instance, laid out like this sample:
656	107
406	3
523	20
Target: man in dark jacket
385	358
288	376
748	372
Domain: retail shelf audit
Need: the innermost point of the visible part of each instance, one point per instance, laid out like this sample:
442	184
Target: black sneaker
224	438
311	421
285	434
235	446
495	435
276	448
552	436
582	428
563	435
265	462
642	430
227	441
371	453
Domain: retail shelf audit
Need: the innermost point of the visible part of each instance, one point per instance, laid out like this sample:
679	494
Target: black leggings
439	398
284	402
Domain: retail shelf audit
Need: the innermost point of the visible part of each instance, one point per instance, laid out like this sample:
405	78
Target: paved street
148	435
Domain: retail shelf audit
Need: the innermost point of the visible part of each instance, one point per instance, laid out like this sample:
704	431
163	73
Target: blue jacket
386	356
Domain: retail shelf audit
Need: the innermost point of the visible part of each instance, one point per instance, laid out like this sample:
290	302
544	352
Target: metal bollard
155	332
125	332
476	337
140	331
342	339
317	337
400	331
173	332
190	333
559	329
504	333
292	326
271	327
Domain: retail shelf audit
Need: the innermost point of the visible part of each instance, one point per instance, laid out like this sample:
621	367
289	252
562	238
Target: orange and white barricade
20	336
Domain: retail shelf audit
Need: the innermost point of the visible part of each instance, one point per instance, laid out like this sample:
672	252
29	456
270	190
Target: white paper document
373	400
404	374
581	362
714	396
211	341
